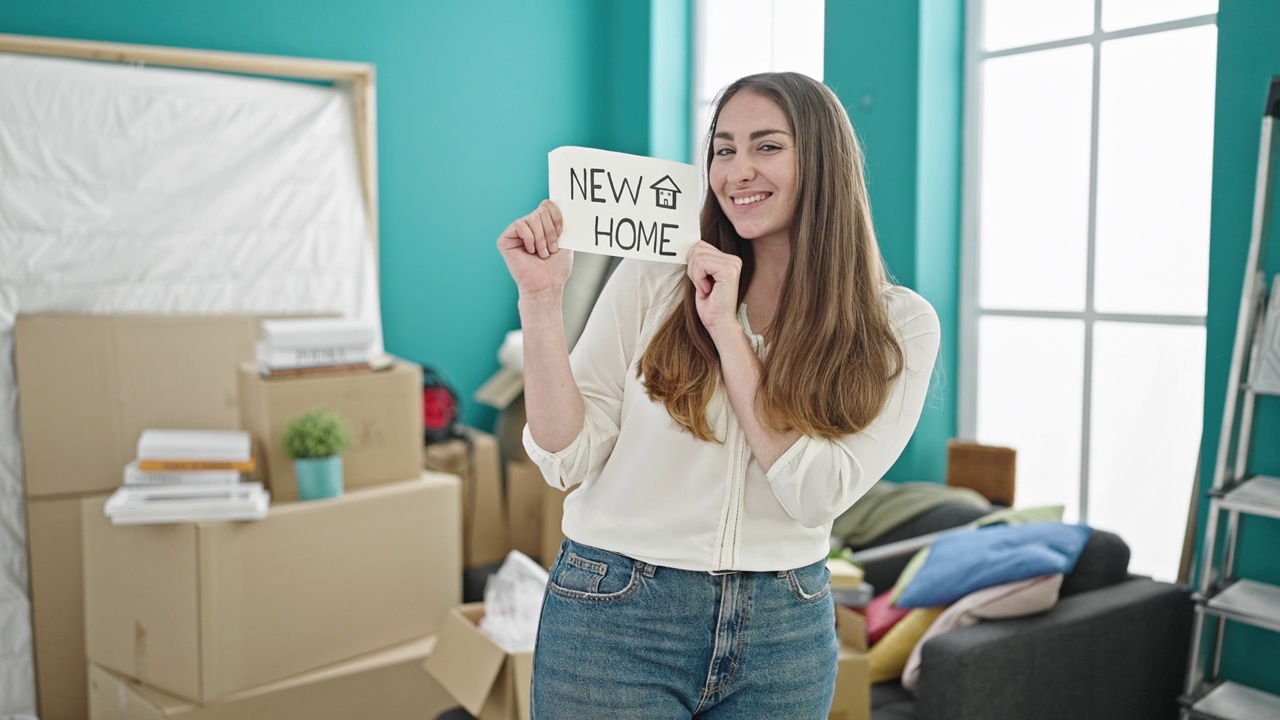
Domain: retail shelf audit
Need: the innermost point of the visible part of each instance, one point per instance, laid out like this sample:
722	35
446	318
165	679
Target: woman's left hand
715	278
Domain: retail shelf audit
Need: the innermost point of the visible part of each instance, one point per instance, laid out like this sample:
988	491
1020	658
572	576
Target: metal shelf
1231	701
1258	495
1246	601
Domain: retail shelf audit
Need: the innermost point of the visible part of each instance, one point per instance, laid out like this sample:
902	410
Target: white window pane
741	37
702	122
1121	14
737	40
798	27
1014	23
1030	398
1148	390
1034	206
1155	172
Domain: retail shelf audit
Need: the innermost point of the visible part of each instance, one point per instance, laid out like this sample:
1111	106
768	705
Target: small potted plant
316	440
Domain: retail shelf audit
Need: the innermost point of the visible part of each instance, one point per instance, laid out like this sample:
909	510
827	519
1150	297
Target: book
132	505
380	361
321	370
244	466
312	332
192	445
135	475
305	356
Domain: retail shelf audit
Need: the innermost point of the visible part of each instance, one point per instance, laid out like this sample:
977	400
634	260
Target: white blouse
653	492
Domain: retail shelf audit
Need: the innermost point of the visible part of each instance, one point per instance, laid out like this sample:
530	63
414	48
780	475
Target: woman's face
753	167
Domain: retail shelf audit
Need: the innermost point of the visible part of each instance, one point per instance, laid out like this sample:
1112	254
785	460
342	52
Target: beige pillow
1015	599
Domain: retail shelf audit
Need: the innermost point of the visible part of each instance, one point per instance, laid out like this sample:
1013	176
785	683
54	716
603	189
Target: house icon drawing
665	191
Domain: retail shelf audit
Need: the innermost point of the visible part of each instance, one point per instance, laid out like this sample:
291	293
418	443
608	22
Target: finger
509	238
539	230
527	236
549	230
556	217
691	271
701	280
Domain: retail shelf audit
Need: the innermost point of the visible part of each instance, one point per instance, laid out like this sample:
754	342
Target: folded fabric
882	615
888	657
1005	516
963	562
1025	597
1020	516
908	574
887	505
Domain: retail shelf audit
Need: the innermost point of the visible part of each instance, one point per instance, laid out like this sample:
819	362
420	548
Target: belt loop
648	569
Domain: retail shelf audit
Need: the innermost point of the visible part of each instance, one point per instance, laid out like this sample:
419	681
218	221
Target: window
1089	143
741	37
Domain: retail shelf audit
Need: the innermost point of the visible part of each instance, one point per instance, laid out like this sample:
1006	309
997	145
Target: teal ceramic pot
319	478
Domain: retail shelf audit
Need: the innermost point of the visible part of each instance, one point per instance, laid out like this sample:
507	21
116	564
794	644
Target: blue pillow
968	560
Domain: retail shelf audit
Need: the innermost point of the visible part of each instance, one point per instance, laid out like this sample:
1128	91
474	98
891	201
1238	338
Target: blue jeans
622	639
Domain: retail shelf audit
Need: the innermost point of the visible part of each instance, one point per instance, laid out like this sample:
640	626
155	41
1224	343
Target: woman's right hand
530	247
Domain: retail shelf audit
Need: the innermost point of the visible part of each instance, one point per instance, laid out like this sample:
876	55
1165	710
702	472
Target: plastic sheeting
127	190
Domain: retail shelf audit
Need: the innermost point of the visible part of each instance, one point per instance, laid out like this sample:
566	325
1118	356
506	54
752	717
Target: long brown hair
833	356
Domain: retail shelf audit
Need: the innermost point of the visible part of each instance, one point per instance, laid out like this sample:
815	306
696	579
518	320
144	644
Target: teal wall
1248	55
471	97
671	89
898	69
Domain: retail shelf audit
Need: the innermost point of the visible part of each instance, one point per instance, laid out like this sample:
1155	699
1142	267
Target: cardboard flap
501	389
852	629
522	666
465	662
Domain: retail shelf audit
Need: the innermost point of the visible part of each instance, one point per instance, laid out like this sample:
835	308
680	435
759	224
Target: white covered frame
357	80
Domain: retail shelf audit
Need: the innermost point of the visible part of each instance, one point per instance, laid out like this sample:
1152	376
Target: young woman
717	417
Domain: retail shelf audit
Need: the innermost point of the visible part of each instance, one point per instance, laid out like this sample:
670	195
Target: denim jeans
622	639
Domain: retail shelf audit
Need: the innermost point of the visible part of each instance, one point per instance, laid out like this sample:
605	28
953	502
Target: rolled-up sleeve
817	478
600	362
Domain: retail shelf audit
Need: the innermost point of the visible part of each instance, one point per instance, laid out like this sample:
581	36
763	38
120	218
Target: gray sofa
1113	648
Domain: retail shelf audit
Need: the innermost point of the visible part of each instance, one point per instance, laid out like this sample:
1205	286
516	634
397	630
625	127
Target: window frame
971	312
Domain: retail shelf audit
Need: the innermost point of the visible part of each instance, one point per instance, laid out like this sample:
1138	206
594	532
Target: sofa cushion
883	572
964	561
1003	516
890	701
908	574
882	615
1103	562
889	656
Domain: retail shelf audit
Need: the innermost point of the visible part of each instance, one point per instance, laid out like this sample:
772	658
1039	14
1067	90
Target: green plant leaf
316	433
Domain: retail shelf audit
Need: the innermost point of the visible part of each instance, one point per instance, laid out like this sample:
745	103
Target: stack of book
188	476
315	345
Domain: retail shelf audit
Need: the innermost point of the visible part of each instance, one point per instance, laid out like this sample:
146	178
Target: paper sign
625	205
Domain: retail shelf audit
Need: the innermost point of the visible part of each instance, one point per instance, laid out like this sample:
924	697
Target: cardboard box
853	679
988	469
383	410
509	427
386	685
490	683
90	384
204	610
485	537
552	521
57	606
525	490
